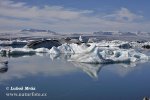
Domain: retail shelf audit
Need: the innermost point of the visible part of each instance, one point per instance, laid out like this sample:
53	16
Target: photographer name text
21	88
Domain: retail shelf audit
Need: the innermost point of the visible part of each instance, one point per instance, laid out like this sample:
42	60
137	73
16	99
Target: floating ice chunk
120	56
5	43
80	38
23	51
72	48
20	51
3	66
83	48
93	55
138	56
54	50
114	43
4	62
65	48
42	50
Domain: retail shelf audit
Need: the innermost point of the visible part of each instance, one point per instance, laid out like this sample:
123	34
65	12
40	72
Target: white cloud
123	15
19	15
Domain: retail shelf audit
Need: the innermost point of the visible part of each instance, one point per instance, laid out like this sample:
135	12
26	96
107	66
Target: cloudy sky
75	15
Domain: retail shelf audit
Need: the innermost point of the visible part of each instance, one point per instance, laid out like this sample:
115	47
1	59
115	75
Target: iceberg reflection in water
51	65
94	69
58	77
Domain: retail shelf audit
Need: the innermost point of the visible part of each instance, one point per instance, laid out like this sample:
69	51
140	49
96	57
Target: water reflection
50	65
91	69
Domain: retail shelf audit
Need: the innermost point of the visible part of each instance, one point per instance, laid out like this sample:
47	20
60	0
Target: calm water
63	80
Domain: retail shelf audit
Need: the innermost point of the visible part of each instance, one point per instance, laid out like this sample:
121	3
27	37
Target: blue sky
75	15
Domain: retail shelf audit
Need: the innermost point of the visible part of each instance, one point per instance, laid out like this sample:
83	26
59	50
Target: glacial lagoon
63	80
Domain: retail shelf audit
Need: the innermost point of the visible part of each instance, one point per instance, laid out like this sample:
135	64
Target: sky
75	15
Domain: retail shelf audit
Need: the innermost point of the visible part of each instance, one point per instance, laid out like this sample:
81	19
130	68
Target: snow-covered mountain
29	33
38	31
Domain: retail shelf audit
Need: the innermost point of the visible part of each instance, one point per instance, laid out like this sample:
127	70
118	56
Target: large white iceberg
83	53
114	56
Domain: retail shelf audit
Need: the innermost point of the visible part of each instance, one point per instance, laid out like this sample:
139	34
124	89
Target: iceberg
114	43
73	48
5	43
20	51
65	48
93	54
54	50
3	66
41	50
14	43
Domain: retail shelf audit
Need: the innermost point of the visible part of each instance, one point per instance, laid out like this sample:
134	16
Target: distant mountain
128	34
38	30
102	33
143	33
114	33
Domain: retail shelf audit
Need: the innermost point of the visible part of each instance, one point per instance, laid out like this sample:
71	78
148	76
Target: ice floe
20	51
13	43
42	50
3	66
114	43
